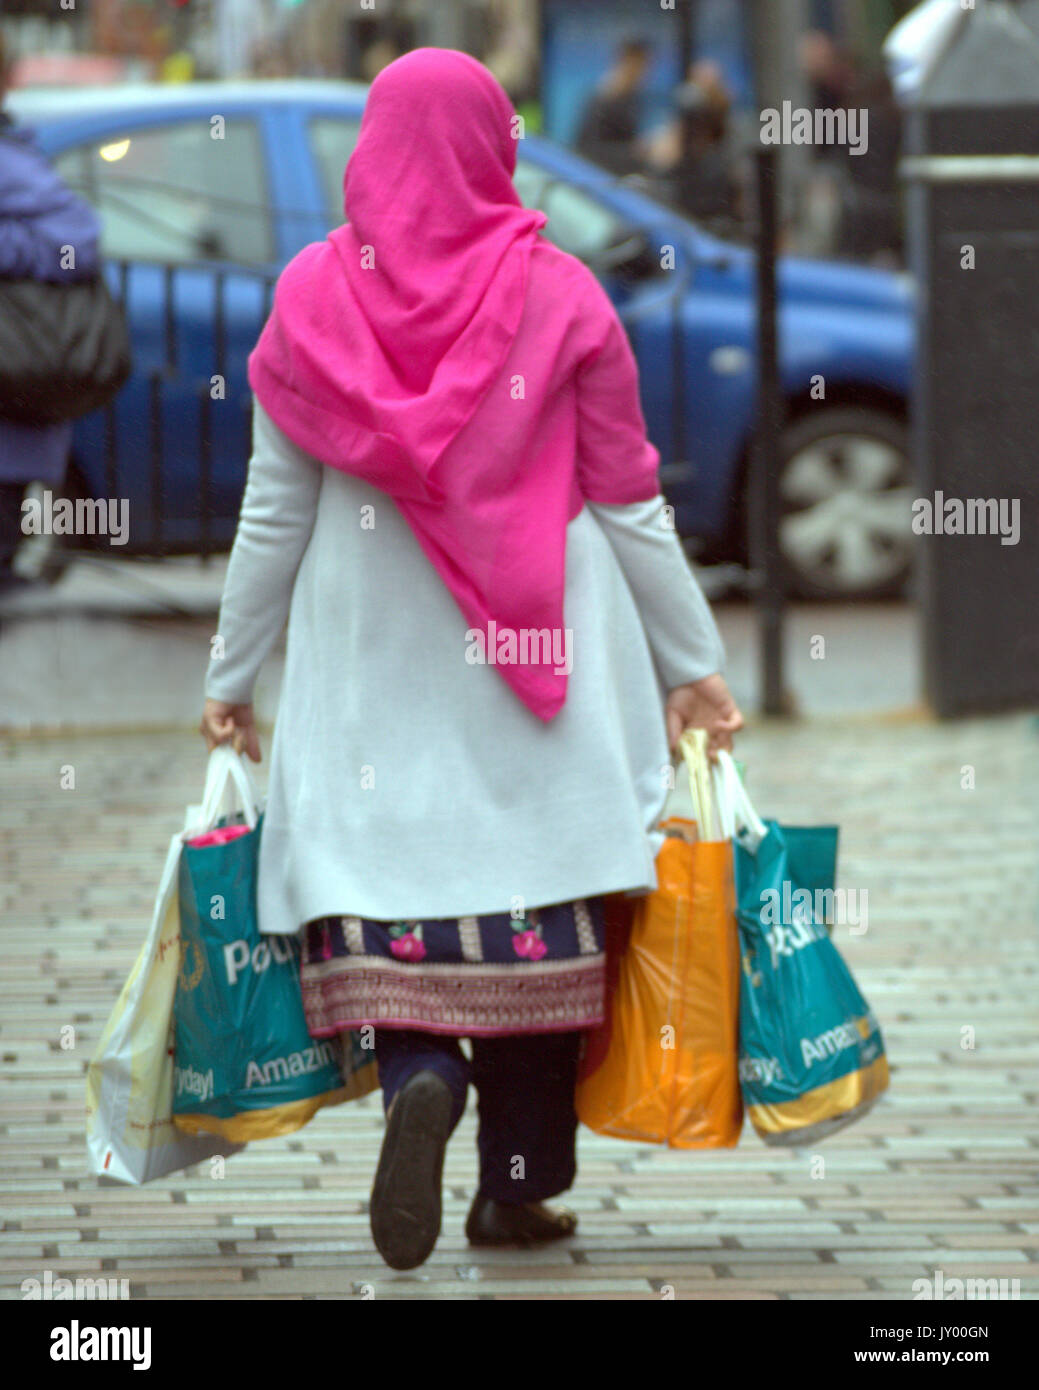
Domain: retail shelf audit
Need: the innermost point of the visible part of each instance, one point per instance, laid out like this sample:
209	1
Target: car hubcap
847	513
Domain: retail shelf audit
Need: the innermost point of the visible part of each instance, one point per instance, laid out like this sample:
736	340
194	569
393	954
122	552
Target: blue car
206	190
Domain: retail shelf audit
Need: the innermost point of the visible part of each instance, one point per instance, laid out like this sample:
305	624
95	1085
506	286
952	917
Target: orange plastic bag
664	1068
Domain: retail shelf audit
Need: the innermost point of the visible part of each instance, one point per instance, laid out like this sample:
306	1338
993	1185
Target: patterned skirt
489	976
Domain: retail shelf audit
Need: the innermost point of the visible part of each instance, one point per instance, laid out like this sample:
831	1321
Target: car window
175	193
577	222
332	139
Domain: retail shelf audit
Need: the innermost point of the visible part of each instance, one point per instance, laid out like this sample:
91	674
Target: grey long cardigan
406	782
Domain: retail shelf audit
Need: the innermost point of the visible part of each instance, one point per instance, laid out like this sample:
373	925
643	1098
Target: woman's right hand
704	704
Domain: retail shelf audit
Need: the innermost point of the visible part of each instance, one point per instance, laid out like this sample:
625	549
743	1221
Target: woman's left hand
705	704
222	722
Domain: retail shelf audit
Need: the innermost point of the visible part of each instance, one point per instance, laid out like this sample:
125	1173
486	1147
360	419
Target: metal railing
137	422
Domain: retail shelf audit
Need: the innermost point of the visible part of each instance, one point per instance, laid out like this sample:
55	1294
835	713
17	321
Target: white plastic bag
130	1132
738	819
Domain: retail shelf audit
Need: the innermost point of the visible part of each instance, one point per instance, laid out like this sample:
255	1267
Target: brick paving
943	1175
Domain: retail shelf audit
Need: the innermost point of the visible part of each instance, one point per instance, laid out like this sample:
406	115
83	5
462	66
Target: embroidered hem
471	999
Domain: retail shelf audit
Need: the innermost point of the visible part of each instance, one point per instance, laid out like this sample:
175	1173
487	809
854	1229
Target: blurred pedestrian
871	220
829	75
697	152
41	221
513	57
494	636
611	121
828	71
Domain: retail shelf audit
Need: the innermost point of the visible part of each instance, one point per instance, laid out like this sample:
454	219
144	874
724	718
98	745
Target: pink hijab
386	337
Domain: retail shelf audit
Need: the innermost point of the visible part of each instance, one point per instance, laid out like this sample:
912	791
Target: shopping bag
663	1069
130	1130
811	1052
245	1065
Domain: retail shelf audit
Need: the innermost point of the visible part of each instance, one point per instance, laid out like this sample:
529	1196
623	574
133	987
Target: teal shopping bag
811	1052
245	1066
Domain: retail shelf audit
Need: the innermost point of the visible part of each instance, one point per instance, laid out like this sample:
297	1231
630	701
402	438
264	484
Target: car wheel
845	483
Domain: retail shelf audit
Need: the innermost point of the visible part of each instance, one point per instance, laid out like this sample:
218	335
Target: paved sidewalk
942	1176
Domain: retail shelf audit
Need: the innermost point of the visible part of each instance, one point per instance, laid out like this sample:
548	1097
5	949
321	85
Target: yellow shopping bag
664	1068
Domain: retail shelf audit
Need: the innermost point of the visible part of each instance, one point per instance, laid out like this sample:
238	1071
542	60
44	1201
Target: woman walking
492	637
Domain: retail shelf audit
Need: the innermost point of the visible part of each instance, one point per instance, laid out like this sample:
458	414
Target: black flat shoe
406	1195
501	1223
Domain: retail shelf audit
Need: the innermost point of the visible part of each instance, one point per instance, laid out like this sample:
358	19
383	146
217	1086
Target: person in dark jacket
871	220
609	131
46	233
704	174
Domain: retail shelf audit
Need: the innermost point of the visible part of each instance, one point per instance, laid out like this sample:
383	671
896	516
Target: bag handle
226	773
693	747
739	820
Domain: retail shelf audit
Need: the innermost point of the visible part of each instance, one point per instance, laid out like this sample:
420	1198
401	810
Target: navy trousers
527	1127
